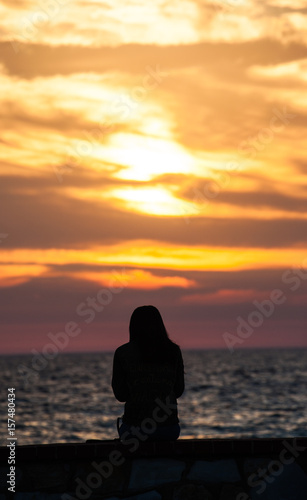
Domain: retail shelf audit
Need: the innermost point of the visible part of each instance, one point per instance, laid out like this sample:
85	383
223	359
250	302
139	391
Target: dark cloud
301	166
56	299
225	105
265	197
12	116
37	214
277	10
206	282
32	60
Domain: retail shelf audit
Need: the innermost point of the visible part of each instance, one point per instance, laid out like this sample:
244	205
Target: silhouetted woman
148	375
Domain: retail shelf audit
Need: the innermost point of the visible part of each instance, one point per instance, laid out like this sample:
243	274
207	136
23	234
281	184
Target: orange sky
153	153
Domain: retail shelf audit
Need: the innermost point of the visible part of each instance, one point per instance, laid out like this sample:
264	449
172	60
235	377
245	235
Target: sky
153	153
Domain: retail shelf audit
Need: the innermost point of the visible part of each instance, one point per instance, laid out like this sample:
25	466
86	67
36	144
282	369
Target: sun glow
144	158
154	201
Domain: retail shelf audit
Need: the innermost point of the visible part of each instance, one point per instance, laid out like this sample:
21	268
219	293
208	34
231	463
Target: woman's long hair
147	329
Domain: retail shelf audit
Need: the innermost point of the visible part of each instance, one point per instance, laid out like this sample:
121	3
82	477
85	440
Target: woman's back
140	382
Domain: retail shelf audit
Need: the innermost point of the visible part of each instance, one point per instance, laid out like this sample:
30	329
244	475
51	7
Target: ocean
249	393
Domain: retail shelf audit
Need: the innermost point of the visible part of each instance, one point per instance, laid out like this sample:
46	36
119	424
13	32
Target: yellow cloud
136	279
295	70
155	254
16	274
95	23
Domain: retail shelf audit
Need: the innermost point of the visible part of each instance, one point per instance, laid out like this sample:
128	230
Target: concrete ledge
182	447
222	469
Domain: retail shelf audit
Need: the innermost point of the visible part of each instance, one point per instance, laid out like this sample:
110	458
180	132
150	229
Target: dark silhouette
148	375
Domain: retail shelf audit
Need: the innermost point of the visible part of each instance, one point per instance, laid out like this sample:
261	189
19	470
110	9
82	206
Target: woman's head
146	321
148	331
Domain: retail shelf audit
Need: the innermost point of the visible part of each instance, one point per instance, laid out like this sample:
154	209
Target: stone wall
258	469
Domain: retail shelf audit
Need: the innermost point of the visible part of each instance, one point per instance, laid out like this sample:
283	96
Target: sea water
248	393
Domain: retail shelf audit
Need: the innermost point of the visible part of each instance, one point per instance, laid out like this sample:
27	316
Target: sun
144	158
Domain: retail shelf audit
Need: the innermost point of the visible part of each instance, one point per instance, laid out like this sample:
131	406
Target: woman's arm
119	383
179	382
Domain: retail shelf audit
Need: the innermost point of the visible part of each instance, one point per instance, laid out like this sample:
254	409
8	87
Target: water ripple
251	393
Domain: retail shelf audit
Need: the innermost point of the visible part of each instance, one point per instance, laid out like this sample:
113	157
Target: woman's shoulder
122	347
128	349
175	348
